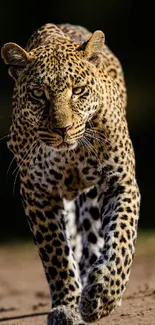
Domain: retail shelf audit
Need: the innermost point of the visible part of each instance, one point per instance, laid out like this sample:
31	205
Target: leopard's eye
78	90
37	93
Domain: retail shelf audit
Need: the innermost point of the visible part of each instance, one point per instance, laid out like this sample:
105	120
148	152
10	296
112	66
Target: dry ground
23	288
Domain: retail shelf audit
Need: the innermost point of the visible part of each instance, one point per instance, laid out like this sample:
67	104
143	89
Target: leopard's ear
93	48
16	57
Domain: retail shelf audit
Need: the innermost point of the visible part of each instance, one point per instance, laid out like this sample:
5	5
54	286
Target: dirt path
23	288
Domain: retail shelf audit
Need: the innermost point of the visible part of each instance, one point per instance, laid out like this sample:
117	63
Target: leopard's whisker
100	134
26	155
99	131
85	144
21	164
4	137
92	149
91	127
92	136
10	165
34	157
15	180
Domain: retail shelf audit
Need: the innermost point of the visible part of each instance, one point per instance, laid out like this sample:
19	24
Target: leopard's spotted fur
70	137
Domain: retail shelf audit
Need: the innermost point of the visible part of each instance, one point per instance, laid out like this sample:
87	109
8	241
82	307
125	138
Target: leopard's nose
63	131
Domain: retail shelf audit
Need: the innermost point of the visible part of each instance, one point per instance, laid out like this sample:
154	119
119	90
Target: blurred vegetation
128	27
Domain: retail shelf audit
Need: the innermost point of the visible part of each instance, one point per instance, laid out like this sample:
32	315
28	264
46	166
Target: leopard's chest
65	175
79	178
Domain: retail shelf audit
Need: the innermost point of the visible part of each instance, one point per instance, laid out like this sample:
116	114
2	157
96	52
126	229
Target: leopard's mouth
59	142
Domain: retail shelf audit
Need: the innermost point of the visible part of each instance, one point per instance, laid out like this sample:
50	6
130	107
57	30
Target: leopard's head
58	87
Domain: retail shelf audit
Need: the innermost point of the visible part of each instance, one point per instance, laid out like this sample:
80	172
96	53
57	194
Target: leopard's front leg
47	222
108	277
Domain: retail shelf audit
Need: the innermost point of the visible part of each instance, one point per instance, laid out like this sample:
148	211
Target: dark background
129	30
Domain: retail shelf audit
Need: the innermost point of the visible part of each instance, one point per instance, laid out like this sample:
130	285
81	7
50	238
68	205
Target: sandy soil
24	291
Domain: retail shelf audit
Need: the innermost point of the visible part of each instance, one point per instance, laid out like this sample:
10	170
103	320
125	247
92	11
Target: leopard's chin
67	146
63	146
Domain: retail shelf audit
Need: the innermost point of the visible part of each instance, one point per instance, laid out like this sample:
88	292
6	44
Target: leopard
77	168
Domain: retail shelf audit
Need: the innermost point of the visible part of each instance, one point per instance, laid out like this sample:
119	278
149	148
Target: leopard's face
58	89
58	94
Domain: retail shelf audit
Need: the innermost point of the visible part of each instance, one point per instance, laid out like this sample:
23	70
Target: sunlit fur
76	163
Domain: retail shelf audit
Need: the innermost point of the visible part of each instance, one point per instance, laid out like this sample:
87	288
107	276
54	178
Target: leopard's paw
63	315
100	295
96	301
